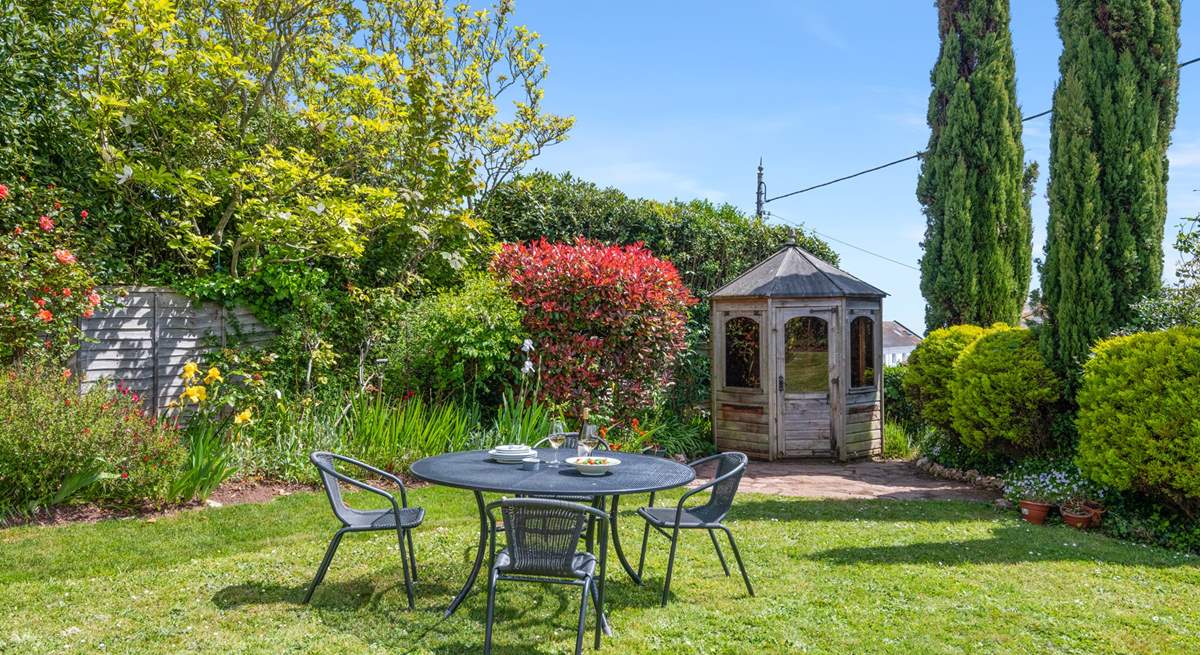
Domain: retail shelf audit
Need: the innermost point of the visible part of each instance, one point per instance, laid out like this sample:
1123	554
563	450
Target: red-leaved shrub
608	321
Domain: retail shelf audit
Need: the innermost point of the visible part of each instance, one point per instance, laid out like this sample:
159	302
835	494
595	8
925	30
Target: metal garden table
477	471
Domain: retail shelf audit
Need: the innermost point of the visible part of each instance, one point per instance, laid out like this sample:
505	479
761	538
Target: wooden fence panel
145	338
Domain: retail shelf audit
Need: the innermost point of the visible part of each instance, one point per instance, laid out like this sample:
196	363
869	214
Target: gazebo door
806	336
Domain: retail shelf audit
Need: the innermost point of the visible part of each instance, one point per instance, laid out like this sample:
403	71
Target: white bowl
599	465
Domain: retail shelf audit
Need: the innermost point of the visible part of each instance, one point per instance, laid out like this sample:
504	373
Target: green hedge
930	370
1003	393
1139	415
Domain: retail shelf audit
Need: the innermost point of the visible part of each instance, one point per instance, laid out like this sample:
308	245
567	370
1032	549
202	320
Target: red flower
45	315
63	256
66	374
45	223
93	298
17	230
124	475
66	292
87	313
40	302
83	214
3	192
57	205
48	343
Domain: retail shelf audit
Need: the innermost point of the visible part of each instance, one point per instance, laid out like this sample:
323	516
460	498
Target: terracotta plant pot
1097	511
1079	518
1035	512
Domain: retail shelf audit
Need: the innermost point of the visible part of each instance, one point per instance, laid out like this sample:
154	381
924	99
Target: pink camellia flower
3	191
83	214
45	223
45	315
93	298
63	256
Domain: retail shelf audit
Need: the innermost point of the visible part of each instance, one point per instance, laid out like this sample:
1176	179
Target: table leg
483	537
616	539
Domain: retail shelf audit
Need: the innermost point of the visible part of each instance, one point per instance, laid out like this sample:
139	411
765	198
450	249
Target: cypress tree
1114	109
974	186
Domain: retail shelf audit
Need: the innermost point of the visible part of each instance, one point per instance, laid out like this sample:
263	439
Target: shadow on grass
1011	544
374	610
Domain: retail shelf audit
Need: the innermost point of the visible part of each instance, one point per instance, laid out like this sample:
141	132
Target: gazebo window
862	352
742	353
806	355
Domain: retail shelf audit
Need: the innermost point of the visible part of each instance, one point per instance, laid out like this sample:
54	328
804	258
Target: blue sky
679	100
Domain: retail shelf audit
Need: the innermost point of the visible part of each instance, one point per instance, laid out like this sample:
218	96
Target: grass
832	577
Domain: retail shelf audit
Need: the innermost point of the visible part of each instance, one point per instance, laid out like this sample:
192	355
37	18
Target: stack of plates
512	454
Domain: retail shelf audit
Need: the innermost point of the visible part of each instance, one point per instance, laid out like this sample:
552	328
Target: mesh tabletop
475	469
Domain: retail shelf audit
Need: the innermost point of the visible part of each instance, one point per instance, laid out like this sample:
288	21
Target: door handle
781	384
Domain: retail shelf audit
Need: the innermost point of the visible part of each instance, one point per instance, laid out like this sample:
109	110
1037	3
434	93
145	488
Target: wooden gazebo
797	366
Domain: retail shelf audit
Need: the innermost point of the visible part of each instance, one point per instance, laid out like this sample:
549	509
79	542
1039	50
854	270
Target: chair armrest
711	483
378	471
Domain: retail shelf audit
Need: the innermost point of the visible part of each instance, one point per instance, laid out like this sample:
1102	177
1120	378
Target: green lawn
832	577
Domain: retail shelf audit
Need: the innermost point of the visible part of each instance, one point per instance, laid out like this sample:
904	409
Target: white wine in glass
556	440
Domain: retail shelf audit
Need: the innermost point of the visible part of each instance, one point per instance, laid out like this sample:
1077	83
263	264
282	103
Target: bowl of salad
593	464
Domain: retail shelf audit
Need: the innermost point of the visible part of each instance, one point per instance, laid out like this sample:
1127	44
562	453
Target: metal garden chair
400	517
668	521
542	535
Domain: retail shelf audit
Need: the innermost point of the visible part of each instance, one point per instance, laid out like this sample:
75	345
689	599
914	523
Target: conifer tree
974	186
1114	109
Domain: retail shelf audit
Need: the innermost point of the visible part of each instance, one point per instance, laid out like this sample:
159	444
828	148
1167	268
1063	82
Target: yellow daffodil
242	417
196	394
214	375
190	370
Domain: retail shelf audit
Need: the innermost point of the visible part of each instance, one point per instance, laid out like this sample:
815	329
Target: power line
908	158
844	243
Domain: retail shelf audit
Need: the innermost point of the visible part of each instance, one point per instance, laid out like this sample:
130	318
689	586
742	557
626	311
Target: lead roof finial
791	236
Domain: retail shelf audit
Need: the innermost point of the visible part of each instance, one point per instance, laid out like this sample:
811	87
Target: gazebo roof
793	272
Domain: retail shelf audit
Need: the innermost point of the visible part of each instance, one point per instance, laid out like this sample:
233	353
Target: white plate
593	469
512	456
520	447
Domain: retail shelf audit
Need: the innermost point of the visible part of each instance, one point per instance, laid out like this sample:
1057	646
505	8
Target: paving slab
867	479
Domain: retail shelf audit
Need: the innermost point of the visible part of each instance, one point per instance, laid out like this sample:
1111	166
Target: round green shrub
1139	415
463	342
930	369
1003	393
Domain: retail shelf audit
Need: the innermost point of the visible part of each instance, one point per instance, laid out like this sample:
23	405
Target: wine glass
556	439
588	440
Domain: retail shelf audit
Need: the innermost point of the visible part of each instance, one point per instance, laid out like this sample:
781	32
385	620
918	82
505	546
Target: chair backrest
543	534
324	462
722	493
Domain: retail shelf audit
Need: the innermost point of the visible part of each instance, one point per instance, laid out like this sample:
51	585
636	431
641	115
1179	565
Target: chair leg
329	552
583	603
491	613
670	566
712	535
412	554
738	555
408	588
599	613
645	538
